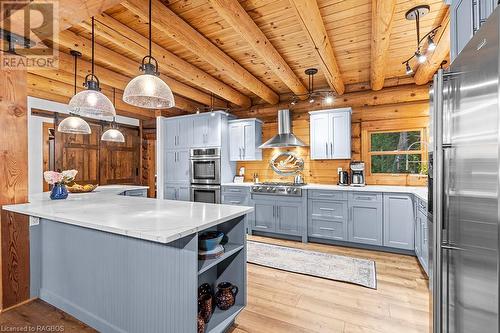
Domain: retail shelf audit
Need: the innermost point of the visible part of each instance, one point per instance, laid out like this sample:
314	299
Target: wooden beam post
173	26
234	14
382	22
425	72
14	236
308	13
128	39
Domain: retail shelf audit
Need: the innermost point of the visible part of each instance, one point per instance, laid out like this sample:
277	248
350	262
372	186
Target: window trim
388	126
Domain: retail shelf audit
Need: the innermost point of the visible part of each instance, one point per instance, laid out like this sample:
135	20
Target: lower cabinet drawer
231	199
365	197
327	195
327	229
333	210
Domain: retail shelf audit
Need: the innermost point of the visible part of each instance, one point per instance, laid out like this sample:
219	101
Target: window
396	152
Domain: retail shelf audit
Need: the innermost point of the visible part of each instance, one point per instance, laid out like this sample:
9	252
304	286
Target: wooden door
79	152
120	162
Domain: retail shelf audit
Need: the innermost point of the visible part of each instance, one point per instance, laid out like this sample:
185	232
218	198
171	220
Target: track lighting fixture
326	96
416	13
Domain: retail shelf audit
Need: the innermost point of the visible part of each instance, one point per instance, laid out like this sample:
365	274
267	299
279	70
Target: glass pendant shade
148	91
113	135
74	125
91	103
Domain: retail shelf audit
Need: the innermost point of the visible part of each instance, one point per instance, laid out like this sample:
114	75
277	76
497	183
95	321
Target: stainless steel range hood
285	137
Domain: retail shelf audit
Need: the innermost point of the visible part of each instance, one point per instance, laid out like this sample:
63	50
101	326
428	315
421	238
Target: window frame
390	126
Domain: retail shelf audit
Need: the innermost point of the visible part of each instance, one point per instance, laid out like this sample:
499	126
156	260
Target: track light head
420	57
431	46
409	70
329	99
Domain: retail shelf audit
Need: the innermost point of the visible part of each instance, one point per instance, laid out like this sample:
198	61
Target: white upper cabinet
207	130
178	133
467	17
245	137
330	134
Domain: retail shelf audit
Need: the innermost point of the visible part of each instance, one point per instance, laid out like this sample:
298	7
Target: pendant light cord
150	40
93	41
76	60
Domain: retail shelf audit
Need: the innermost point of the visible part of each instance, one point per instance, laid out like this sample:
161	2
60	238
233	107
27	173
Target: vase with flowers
58	180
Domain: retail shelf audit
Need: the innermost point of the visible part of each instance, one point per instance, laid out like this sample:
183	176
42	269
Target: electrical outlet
34	220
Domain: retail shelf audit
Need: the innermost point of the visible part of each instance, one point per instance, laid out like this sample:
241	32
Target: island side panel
116	283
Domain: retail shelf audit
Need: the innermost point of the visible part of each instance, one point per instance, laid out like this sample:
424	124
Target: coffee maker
357	173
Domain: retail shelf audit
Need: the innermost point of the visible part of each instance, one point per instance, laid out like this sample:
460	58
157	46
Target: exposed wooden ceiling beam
311	20
425	72
234	14
126	65
130	40
382	22
173	26
393	95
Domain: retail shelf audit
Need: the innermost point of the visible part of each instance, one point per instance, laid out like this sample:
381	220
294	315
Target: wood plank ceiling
234	68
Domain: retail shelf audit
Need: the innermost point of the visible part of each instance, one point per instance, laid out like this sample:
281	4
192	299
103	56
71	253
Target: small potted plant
58	180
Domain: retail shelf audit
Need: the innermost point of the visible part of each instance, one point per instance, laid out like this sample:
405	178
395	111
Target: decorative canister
225	296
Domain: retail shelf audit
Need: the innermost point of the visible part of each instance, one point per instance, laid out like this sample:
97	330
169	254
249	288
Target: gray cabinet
399	221
207	130
177	192
467	16
177	166
330	134
422	235
245	137
365	222
179	131
283	215
238	196
327	212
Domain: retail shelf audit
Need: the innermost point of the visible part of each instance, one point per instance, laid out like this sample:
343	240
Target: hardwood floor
280	301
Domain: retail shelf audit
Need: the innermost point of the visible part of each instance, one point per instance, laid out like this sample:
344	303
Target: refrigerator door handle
451	247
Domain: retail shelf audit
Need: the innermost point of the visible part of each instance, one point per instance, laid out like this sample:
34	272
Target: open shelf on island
221	319
229	250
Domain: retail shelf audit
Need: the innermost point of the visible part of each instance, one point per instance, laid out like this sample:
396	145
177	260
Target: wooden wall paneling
119	163
14	250
395	115
80	152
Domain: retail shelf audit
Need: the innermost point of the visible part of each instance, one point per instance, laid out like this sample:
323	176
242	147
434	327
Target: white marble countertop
161	221
419	191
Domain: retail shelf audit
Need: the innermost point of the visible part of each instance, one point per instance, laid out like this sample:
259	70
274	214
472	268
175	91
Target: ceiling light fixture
74	124
148	90
415	14
92	102
326	96
112	134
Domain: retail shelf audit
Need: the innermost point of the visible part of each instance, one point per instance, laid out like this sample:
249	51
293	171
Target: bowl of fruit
77	188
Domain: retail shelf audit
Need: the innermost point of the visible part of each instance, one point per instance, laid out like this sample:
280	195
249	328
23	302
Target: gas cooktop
278	188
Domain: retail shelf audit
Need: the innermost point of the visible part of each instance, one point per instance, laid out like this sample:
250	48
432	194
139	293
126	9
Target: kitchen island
130	264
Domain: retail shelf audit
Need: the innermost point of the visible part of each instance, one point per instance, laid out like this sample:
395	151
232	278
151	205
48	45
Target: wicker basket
76	188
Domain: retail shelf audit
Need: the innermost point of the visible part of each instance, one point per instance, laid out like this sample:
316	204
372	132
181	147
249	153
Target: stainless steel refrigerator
465	183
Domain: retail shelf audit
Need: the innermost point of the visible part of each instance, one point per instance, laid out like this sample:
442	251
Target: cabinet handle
363	198
331	148
274	212
325	228
326	148
235	202
328	209
277	212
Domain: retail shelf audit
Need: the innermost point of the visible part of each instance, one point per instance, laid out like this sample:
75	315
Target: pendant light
92	102
74	124
113	134
148	90
324	95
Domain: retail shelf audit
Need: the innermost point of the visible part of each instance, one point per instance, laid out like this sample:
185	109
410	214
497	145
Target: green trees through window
396	152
